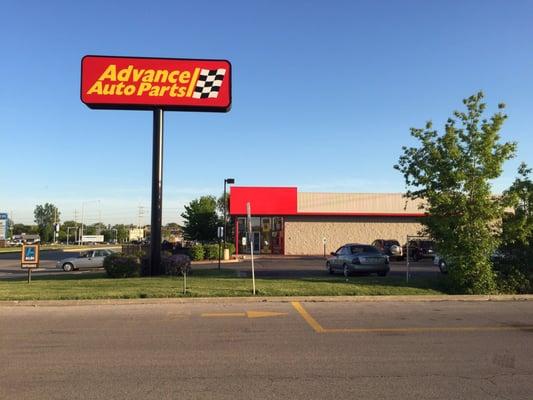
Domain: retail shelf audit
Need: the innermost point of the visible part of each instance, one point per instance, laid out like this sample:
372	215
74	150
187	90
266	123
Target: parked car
419	249
85	260
389	247
496	257
355	257
441	263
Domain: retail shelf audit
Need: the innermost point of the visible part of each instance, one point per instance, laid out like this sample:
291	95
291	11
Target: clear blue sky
324	94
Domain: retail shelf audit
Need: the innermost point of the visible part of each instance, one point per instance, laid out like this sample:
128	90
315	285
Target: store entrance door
257	242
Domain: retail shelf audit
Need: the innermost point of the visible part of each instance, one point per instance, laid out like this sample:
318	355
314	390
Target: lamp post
228	181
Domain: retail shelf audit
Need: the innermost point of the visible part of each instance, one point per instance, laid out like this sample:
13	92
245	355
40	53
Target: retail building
286	221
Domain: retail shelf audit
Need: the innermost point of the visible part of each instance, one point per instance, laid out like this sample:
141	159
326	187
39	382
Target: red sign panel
263	200
149	83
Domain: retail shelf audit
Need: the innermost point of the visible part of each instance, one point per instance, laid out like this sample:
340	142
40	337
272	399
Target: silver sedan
85	260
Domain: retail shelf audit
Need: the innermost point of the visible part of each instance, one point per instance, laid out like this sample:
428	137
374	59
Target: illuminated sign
150	83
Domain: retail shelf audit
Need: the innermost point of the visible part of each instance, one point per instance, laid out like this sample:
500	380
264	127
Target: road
275	350
277	267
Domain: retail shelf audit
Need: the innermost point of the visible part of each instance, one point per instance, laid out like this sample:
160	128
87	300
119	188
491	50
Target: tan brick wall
303	235
357	203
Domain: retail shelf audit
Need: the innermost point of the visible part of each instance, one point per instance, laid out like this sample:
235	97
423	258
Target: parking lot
265	267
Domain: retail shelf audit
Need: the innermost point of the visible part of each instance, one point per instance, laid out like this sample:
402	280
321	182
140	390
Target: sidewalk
277	299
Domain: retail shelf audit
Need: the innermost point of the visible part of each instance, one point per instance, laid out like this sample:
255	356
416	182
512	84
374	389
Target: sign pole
157	193
29	275
250	234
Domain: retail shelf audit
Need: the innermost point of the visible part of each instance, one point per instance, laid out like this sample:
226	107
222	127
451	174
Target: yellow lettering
161	75
137	73
148	75
154	91
129	90
124	74
185	77
143	87
110	73
173	76
164	89
96	88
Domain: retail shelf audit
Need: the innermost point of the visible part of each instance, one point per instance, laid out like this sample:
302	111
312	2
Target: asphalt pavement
275	350
265	267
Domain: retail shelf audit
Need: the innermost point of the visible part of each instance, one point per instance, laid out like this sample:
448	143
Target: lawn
209	283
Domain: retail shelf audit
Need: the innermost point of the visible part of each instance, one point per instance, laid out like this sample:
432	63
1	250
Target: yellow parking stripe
308	318
313	323
234	314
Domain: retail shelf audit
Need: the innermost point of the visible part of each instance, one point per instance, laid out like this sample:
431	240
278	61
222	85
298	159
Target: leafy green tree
171	230
230	223
45	216
516	269
201	219
122	234
452	174
19	229
63	229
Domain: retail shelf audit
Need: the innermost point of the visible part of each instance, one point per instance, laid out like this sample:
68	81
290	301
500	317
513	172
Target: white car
85	260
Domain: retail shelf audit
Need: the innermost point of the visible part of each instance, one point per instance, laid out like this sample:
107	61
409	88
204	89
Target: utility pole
140	215
55	224
76	225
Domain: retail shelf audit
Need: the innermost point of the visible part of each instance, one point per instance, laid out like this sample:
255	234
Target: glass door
257	242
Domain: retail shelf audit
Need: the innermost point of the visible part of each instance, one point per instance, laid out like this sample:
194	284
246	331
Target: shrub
176	264
119	265
197	252
211	251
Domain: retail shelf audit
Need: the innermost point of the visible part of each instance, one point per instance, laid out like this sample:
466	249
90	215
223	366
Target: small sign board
3	226
29	256
220	232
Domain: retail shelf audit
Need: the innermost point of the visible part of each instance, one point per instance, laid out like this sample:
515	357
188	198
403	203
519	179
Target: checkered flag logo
209	83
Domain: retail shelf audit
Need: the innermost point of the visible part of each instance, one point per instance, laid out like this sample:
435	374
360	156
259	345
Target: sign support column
157	194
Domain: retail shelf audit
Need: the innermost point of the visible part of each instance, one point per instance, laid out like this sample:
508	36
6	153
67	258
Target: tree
45	217
452	174
516	269
230	225
62	236
201	219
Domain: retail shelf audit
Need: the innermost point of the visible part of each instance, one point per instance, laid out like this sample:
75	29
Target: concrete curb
279	299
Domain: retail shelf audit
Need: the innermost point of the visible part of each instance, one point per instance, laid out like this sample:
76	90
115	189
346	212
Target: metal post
29	275
219	254
407	260
224	233
157	193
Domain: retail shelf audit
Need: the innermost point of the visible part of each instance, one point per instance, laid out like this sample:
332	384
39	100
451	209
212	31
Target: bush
119	265
177	264
211	251
197	252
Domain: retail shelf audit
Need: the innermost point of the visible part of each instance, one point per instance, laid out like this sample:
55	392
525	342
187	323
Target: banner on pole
147	83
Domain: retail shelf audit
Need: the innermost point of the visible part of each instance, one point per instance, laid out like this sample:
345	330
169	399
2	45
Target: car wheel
383	273
443	267
346	271
328	266
67	267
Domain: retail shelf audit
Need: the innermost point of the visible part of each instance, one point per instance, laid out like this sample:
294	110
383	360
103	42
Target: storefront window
267	235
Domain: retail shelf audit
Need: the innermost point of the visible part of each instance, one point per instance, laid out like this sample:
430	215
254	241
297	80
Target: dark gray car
85	260
355	257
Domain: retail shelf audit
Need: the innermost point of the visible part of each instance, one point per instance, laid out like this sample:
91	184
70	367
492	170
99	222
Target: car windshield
391	243
363	249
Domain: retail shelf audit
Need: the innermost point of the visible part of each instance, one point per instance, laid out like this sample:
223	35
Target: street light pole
228	181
